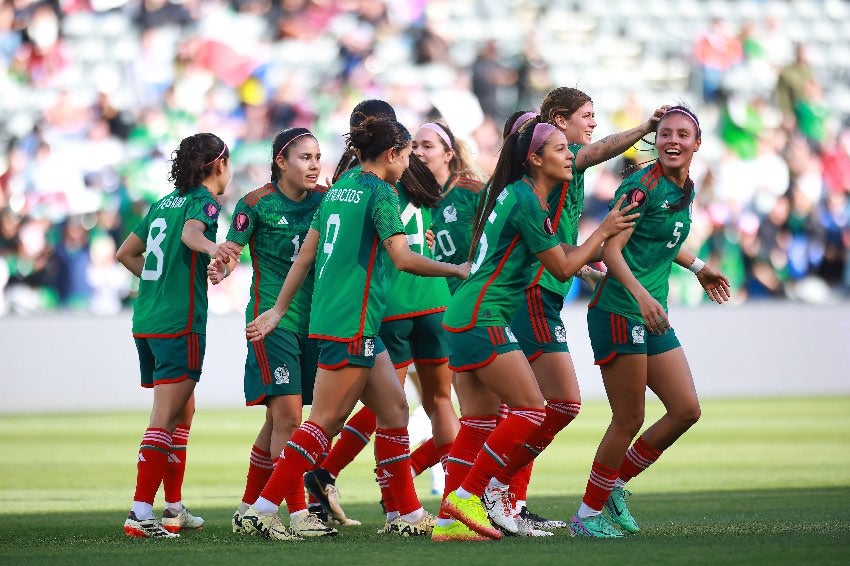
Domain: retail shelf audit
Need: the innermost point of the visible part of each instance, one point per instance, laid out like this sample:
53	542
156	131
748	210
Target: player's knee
393	414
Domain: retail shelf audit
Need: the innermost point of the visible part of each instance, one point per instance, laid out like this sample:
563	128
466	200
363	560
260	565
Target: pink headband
688	114
522	120
279	153
541	133
223	149
437	129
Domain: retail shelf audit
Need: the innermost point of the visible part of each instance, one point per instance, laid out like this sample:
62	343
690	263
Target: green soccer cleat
470	512
455	531
595	526
619	510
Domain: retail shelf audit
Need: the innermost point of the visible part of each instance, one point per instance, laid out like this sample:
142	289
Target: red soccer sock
519	484
599	486
424	457
153	459
353	438
558	415
392	454
468	442
499	445
172	482
638	458
260	468
300	455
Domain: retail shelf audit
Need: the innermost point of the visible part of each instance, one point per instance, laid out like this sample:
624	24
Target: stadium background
97	93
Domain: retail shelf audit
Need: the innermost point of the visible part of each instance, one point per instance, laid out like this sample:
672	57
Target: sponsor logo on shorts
560	334
449	214
281	375
369	347
510	335
637	334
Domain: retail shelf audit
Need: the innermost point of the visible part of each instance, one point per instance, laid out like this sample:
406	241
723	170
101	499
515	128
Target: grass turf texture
755	482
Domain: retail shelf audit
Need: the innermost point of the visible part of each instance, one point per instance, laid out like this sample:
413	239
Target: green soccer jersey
452	222
565	207
172	297
657	237
274	227
518	228
358	213
410	295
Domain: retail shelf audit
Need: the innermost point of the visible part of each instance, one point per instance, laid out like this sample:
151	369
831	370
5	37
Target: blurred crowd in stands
97	93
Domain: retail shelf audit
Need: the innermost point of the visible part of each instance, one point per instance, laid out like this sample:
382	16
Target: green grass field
755	482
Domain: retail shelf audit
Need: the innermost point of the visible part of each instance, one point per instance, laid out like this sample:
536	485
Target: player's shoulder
253	197
646	178
469	184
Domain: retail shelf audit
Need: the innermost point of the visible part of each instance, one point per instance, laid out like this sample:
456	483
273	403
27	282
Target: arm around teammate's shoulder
564	261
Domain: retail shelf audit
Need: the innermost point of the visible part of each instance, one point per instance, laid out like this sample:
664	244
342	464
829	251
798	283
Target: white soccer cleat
148	528
309	525
268	526
500	510
175	521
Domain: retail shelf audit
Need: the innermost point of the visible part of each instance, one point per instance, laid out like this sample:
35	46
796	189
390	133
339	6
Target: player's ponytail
509	168
194	158
364	108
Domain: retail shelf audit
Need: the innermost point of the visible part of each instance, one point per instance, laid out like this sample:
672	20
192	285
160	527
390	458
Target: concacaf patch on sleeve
636	196
211	211
548	227
241	222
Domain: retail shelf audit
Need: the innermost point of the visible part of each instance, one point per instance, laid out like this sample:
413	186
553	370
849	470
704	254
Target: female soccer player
512	230
537	324
358	212
633	342
280	369
169	323
413	307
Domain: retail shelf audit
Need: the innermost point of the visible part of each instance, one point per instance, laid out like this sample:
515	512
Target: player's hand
263	325
716	284
227	251
619	219
463	270
430	239
216	271
653	314
590	276
652	123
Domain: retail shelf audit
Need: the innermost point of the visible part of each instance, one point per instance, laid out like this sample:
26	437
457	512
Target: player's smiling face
676	140
579	126
556	163
300	169
431	150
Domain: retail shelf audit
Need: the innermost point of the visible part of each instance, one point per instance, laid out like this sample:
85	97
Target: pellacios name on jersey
344	195
172	202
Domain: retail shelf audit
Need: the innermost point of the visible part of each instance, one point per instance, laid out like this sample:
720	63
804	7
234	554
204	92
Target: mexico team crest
281	375
449	214
560	334
638	334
